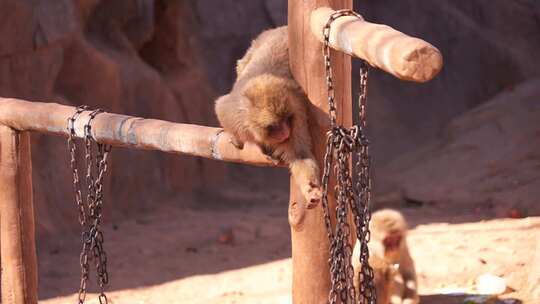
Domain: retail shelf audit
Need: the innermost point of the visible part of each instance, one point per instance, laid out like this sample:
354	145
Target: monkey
383	275
393	266
266	106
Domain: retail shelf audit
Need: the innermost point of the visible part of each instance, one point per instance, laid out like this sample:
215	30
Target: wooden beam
17	230
129	131
405	57
310	245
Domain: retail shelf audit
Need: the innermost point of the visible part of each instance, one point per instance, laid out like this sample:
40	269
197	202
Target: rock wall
487	158
133	57
487	48
168	59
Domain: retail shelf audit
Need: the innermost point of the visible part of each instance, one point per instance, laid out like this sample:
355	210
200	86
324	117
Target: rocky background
469	137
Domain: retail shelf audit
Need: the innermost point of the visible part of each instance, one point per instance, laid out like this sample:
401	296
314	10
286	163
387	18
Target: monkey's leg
242	63
306	174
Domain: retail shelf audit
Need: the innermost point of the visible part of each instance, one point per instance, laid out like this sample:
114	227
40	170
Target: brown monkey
383	272
396	274
266	106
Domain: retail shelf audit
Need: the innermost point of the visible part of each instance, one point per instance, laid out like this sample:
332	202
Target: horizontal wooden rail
405	57
133	132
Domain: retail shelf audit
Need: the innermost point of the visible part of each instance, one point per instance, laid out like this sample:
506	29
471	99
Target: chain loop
352	190
90	215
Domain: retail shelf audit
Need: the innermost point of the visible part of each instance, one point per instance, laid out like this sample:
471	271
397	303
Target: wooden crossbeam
405	57
129	131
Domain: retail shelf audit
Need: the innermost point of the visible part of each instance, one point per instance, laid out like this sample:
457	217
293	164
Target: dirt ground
239	253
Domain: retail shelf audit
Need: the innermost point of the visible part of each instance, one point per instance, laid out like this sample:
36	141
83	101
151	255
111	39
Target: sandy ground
240	254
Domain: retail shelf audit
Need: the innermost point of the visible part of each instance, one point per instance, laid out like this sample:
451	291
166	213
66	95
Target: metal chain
74	166
352	192
90	215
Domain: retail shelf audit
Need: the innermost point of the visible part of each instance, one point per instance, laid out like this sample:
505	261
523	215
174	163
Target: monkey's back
265	60
268	54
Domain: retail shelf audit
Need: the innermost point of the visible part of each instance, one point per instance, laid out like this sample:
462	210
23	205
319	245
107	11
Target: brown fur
383	274
265	94
394	270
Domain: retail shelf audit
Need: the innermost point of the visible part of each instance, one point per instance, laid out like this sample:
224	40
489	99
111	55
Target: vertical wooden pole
311	281
18	249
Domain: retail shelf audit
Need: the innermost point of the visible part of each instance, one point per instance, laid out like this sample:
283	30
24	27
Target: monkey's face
271	127
271	119
392	245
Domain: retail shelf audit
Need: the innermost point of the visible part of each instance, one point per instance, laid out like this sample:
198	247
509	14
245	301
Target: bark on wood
18	249
405	57
133	132
311	280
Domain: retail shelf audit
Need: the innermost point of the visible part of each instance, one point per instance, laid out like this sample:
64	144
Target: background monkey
267	107
383	272
390	258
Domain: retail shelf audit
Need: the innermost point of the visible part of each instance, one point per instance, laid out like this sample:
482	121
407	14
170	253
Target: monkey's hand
313	194
306	174
237	143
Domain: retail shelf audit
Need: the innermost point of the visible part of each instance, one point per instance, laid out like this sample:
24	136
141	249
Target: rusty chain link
352	190
90	214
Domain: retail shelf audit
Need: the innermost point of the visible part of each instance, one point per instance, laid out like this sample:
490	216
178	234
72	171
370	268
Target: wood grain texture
407	58
310	246
129	131
17	229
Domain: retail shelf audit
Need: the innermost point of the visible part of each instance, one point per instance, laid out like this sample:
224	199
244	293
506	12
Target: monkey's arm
406	268
306	175
302	163
230	117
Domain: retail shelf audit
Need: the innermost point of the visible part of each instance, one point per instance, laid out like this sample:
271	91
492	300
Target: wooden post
18	248
311	280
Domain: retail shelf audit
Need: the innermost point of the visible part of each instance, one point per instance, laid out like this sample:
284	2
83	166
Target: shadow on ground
171	243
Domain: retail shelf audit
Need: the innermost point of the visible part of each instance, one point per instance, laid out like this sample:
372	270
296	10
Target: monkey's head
390	228
271	117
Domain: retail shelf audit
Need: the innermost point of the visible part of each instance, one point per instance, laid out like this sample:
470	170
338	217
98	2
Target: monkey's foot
313	194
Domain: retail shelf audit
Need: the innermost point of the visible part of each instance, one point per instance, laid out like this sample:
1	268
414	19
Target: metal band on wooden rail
405	57
133	132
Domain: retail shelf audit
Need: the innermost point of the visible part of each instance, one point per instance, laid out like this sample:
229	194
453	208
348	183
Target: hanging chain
351	192
90	215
